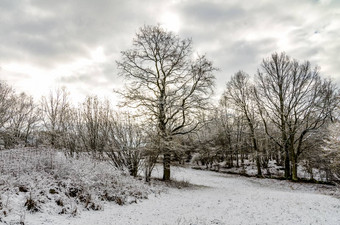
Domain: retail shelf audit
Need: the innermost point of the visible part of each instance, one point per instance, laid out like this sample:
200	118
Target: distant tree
240	92
70	137
25	116
128	142
293	98
6	103
331	148
211	144
166	84
229	128
94	125
151	151
54	109
317	161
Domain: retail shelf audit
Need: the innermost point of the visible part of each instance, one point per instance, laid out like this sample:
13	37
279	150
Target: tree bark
287	165
293	160
258	165
166	166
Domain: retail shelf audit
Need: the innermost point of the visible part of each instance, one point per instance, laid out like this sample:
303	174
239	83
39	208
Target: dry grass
45	180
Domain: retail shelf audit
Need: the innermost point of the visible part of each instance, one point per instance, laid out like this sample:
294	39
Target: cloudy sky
74	43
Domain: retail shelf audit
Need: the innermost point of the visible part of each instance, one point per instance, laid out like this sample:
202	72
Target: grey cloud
223	30
48	33
241	55
210	12
57	31
99	75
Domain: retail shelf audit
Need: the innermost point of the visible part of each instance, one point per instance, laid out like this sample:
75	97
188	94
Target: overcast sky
74	43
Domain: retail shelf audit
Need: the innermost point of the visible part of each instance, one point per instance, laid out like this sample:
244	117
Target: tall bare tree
240	92
166	84
292	96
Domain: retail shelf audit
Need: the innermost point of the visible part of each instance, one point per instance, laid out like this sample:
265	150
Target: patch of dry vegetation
44	180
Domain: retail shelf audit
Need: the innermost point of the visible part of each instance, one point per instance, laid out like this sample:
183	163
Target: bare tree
293	97
331	148
54	108
128	142
70	137
166	84
25	116
224	122
240	92
94	125
6	103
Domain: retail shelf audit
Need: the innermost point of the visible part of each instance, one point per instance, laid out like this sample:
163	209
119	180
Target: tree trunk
287	165
231	158
147	174
294	171
237	158
166	166
278	157
258	165
53	139
294	165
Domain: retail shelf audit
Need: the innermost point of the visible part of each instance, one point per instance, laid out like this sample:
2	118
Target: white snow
216	199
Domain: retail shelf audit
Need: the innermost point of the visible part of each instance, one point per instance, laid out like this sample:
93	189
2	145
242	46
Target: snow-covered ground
216	199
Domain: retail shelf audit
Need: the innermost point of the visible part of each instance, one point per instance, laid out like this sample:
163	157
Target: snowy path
224	199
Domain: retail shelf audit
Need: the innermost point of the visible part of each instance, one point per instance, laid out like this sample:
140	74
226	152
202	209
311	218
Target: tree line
284	113
93	128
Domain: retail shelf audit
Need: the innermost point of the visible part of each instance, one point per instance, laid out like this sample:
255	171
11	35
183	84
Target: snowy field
216	199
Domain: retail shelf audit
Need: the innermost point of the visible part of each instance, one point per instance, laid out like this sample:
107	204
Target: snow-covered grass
208	198
44	181
216	198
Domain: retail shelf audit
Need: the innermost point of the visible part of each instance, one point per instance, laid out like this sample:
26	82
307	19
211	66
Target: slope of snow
216	199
